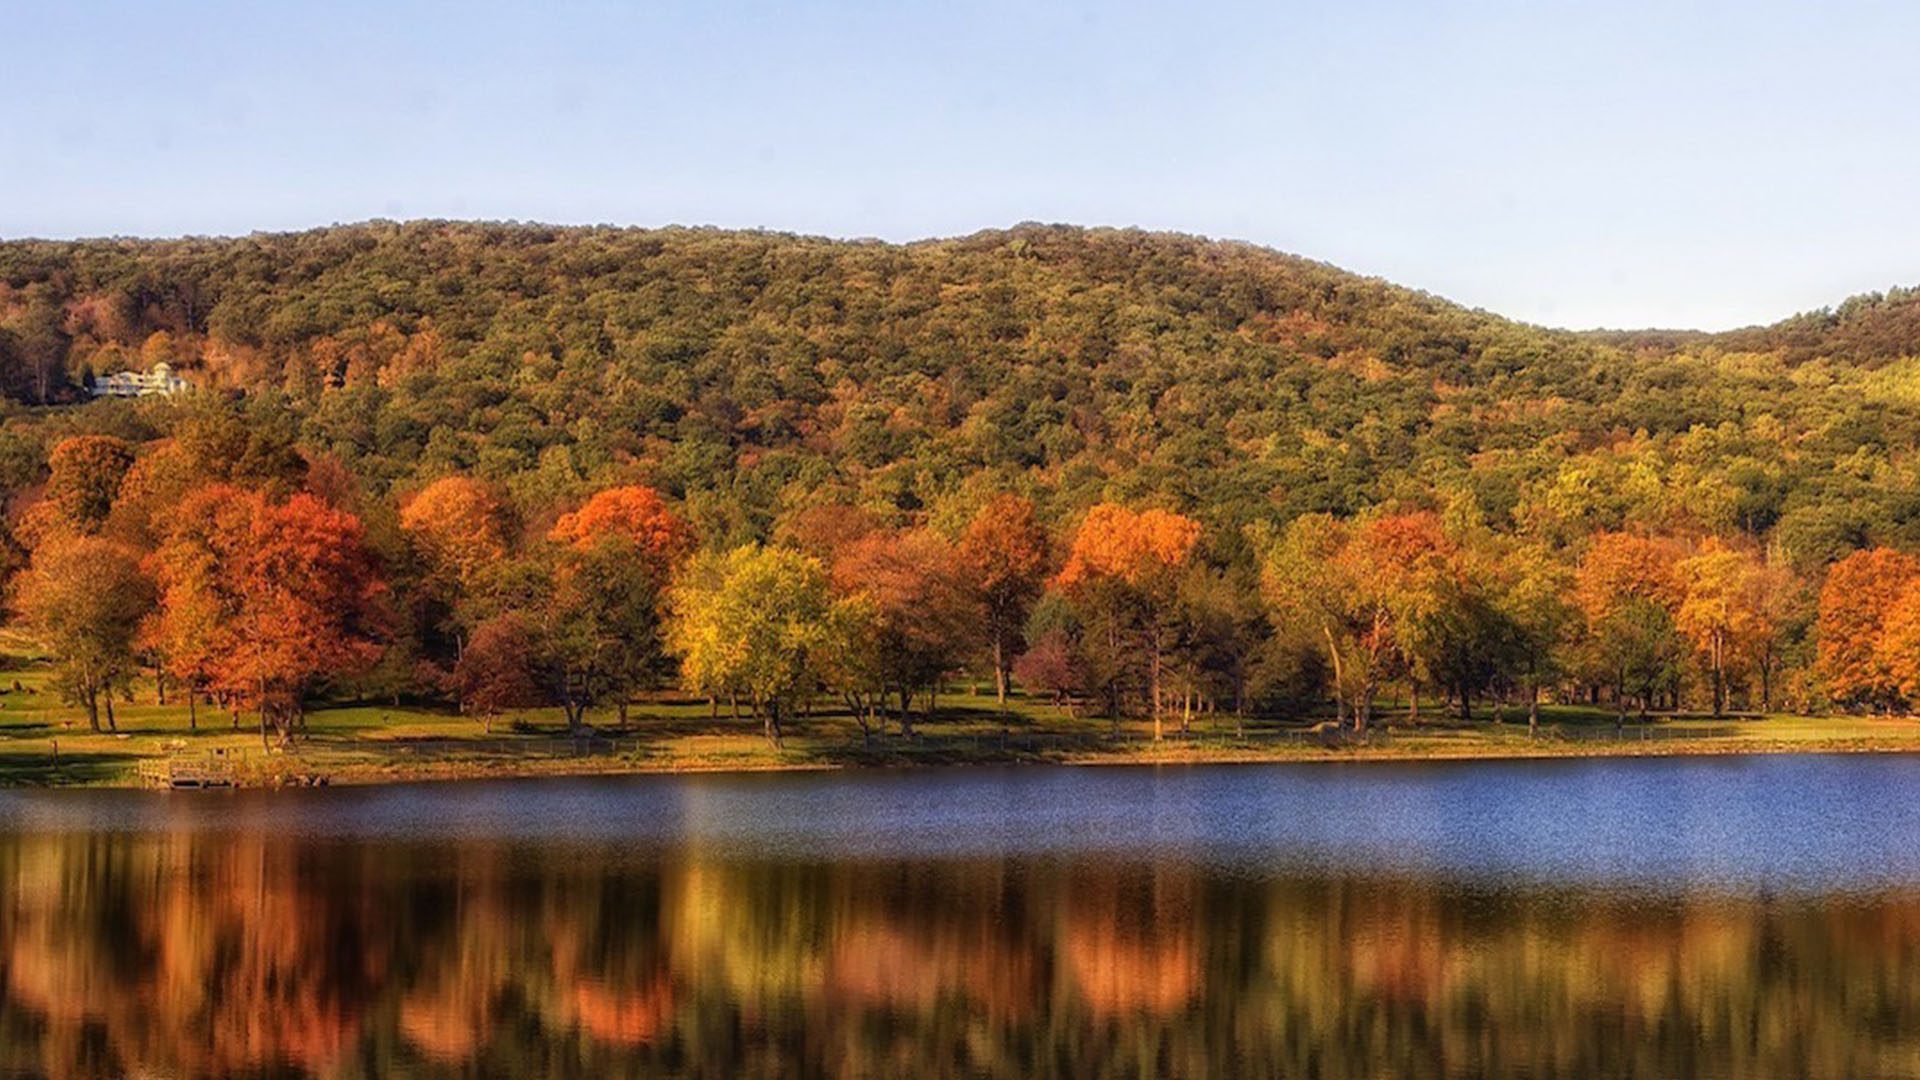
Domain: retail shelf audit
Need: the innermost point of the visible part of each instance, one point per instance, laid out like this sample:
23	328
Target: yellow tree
1305	589
1720	595
458	525
753	622
85	597
1534	585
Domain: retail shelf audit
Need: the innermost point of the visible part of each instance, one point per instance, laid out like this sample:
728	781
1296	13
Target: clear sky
1628	163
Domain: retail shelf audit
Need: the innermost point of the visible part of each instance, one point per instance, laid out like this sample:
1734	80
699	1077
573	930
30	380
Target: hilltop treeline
1170	411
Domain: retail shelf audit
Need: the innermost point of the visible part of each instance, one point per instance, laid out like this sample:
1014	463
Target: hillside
751	373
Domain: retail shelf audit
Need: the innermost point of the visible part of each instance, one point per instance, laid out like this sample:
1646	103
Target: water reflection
224	953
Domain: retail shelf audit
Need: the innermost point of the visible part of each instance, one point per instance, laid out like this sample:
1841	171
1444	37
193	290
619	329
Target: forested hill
751	374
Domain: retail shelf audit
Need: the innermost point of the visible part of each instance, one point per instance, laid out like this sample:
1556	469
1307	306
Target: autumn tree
1306	594
457	533
1222	630
919	602
1860	593
271	598
1782	612
602	627
459	526
1627	592
1726	607
84	597
496	672
635	514
617	555
1004	554
1534	596
753	623
83	480
1123	565
854	661
1360	585
824	529
1052	665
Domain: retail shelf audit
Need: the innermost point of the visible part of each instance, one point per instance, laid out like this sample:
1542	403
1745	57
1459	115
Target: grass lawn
45	742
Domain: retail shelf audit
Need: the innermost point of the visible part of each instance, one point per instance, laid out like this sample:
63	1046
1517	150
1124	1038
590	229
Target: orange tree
1627	591
268	599
919	617
614	559
84	475
1004	554
1122	567
1860	593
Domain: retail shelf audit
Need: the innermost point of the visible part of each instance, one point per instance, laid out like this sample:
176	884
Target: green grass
373	743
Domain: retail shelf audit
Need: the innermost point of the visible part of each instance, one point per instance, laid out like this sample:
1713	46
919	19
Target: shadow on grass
19	770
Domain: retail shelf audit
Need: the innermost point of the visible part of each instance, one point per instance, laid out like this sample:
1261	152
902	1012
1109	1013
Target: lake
1739	916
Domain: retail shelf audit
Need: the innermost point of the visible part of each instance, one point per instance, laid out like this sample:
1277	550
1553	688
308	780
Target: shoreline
599	768
360	744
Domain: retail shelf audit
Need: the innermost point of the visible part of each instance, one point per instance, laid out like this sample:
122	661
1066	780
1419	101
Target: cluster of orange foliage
261	598
1870	628
633	513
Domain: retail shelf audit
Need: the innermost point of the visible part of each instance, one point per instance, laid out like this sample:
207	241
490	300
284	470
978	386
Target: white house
159	380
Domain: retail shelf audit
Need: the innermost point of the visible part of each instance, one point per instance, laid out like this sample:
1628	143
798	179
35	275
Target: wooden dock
187	773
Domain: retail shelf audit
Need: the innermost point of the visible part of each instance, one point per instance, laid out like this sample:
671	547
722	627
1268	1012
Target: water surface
1718	917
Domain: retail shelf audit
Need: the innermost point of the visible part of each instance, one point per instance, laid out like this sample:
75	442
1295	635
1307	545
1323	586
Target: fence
505	746
1640	733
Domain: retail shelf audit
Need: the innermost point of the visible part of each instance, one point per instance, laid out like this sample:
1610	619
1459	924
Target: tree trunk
193	717
1153	677
1719	678
1339	678
1000	671
770	718
112	724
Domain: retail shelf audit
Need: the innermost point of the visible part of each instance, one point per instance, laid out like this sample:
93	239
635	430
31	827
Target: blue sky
1625	164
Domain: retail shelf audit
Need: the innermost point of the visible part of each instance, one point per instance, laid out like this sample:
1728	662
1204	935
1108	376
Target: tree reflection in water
224	953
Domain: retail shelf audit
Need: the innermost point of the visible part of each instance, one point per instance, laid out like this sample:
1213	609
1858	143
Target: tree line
1264	485
747	373
240	572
